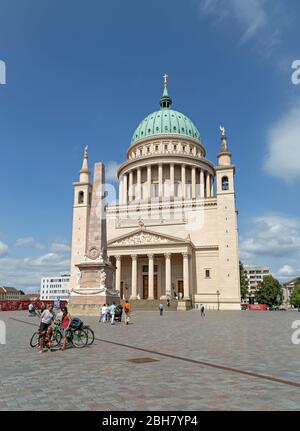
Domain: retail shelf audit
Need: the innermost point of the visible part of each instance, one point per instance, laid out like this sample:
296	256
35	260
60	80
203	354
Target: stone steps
152	305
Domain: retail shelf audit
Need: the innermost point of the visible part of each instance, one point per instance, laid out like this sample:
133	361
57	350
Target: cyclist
64	325
46	320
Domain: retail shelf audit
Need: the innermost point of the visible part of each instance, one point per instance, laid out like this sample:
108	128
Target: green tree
295	296
269	292
243	282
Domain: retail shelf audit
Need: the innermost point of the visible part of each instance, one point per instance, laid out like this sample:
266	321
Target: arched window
80	197
225	183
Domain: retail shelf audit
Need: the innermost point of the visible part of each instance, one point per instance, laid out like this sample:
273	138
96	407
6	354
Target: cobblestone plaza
188	370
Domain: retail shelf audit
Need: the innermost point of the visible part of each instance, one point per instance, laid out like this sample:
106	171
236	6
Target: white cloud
40	246
287	271
26	273
275	236
3	249
253	17
57	247
283	158
29	240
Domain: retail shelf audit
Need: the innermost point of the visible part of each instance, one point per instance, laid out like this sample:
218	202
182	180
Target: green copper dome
166	121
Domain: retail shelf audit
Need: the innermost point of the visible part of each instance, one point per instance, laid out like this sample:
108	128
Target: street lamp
218	299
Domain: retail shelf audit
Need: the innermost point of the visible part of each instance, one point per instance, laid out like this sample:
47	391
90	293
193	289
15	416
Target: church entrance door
180	289
155	287
146	287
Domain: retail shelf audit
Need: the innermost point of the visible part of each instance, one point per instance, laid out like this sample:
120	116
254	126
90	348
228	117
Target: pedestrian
112	311
57	303
127	312
46	320
161	309
202	310
103	313
31	309
64	325
168	303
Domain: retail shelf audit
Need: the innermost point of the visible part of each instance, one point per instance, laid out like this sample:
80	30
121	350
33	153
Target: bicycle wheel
35	339
90	334
56	340
79	338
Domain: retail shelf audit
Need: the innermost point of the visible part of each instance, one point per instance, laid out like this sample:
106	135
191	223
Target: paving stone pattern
103	377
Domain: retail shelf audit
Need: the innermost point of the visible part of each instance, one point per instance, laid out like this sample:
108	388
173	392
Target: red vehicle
255	307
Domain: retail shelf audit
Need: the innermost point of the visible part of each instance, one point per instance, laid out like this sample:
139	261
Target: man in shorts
46	320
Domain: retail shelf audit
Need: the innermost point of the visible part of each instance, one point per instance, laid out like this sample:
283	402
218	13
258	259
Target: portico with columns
160	272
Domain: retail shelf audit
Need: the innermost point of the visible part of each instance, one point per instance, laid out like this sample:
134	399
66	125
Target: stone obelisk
96	275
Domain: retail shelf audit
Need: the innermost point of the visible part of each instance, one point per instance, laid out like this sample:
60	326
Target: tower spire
165	101
224	155
84	173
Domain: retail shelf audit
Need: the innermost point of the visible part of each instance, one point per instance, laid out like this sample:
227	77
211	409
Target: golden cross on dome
166	79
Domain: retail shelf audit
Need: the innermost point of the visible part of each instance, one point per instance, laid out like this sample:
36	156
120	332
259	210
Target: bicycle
77	337
90	334
55	337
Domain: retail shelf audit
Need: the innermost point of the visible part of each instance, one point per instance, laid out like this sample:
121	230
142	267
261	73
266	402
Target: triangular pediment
144	237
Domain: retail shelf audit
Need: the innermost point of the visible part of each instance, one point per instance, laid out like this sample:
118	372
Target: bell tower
227	227
81	216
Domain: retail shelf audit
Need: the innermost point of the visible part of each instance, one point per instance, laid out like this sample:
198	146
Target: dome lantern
165	101
165	122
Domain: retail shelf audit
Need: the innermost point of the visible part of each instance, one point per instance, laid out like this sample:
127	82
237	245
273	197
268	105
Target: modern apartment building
254	276
53	288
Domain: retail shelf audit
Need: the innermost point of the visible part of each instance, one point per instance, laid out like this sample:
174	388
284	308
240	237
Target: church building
172	233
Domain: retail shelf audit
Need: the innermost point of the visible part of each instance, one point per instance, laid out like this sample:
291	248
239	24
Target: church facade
173	233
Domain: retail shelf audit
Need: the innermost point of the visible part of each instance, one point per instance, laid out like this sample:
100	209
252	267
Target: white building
288	289
173	232
254	276
53	288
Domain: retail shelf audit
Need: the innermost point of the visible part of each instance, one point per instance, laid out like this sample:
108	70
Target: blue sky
81	73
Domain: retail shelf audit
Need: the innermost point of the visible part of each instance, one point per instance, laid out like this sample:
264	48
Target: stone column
211	186
193	182
183	182
207	185
168	274
186	276
151	276
160	181
118	273
149	182
125	192
201	183
130	192
134	277
172	180
120	190
139	184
